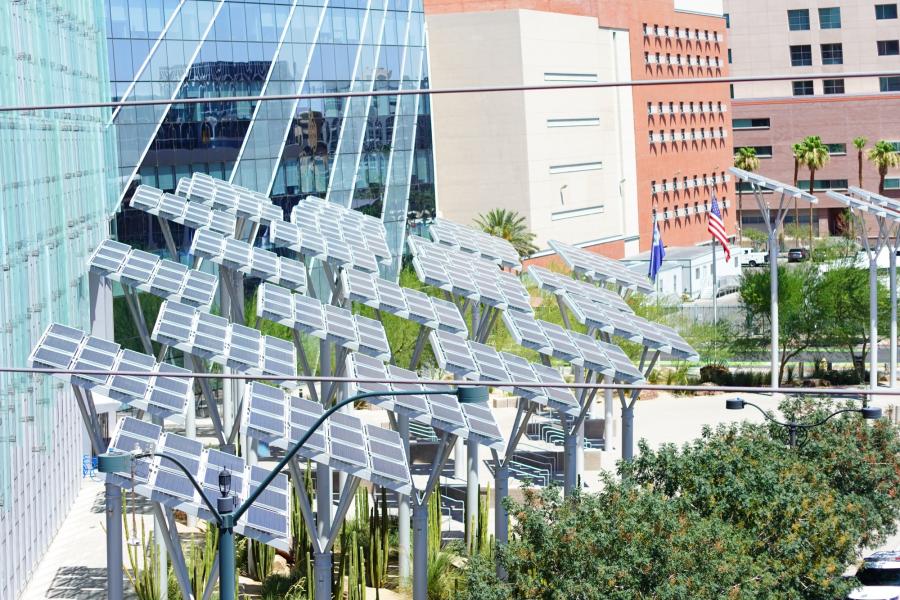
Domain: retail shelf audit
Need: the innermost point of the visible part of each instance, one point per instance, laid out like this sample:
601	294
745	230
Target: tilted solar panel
61	347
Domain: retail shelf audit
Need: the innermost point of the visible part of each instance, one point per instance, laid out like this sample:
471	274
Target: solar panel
773	185
559	284
148	273
158	479
561	399
466	275
526	332
414	406
483	427
342	442
453	354
593	355
244	258
476	242
244	349
626	372
336	324
490	365
600	268
178	210
62	347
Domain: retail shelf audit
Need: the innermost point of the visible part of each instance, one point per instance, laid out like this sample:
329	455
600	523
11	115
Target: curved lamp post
225	512
793	427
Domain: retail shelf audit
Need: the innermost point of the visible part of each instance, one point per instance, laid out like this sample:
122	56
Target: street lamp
793	427
225	513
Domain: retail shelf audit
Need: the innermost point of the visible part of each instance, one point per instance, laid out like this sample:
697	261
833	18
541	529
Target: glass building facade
371	153
58	191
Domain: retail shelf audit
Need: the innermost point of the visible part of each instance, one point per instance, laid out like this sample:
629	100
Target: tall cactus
379	544
301	544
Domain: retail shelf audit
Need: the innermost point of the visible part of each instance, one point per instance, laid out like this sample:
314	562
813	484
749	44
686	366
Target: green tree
757	238
884	156
815	156
733	514
860	144
747	160
841	296
797	319
511	226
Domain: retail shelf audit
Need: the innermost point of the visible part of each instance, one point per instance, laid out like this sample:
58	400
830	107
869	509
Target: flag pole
715	304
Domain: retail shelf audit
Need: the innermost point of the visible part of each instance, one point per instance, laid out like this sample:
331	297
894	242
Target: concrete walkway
75	564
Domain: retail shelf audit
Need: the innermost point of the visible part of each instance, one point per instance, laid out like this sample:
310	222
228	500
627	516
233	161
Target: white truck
748	257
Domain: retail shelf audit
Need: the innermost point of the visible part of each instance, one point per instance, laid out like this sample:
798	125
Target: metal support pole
322	568
609	416
160	533
627	431
570	461
227	584
167	235
403	522
420	557
472	491
501	491
715	286
893	273
459	462
873	322
773	298
170	538
114	585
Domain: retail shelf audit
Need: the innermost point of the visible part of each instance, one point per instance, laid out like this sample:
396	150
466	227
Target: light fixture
224	482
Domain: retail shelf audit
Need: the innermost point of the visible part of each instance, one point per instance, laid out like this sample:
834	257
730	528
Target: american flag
716	227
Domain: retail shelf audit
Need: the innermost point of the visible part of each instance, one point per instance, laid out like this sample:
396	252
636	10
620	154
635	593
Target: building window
729	56
892	183
803	88
833	86
731	91
761	151
895	146
830	18
889	84
760	123
832	54
801	56
823	184
727	21
885	11
889	48
836	149
798	20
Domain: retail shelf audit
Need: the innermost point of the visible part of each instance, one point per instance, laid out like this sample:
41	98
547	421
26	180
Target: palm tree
860	144
798	151
744	159
509	225
884	156
815	156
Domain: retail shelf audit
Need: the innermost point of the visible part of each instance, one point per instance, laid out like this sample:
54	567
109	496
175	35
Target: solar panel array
230	198
600	268
244	258
471	360
467	276
442	412
62	347
322	321
878	199
863	205
575	348
630	327
148	273
179	210
472	241
370	290
213	338
773	185
343	442
160	480
561	284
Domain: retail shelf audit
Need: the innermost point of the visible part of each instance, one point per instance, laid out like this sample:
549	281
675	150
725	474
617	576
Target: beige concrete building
564	160
803	37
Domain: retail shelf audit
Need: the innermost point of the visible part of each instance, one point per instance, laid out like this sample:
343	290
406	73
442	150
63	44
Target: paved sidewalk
74	566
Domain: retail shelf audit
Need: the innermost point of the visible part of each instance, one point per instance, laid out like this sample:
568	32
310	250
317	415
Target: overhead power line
446	91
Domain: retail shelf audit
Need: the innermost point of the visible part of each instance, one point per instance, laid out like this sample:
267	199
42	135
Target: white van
748	257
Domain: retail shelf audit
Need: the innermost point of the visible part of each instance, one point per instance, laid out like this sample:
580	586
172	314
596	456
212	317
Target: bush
720	374
733	514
